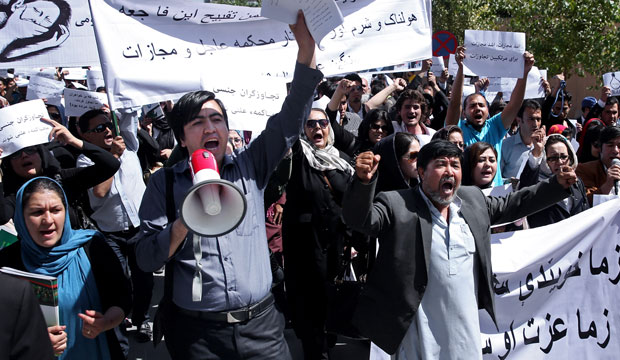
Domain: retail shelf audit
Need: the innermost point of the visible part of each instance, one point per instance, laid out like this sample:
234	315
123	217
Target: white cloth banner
495	53
46	33
152	52
556	290
21	126
612	80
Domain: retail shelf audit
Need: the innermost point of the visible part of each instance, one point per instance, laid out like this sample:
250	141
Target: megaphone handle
197	280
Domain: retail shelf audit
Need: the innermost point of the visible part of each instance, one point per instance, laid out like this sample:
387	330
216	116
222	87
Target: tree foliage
570	36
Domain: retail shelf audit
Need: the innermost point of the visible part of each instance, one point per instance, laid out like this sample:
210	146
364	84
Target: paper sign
44	88
74	73
322	16
22	126
94	79
438	66
453	67
495	53
77	102
249	103
612	80
543	73
533	88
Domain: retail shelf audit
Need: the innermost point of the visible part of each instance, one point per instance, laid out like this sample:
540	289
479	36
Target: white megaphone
212	206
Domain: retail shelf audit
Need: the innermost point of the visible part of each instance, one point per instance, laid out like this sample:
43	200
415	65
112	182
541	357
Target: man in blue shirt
514	147
233	315
477	126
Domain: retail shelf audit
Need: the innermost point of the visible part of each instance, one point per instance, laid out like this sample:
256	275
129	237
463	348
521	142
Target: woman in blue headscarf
93	290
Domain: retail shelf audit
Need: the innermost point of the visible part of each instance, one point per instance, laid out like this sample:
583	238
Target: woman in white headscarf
545	161
313	233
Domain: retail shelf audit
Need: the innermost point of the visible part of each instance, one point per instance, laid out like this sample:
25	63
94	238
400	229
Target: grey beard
436	198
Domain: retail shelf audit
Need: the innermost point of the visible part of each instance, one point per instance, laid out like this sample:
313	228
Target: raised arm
454	109
516	98
380	97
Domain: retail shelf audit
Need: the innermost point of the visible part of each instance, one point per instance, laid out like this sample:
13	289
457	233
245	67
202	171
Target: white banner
557	290
21	126
612	80
154	52
495	53
46	33
248	104
94	79
77	102
533	87
44	88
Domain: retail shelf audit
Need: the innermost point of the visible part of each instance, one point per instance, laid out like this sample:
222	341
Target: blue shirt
235	267
493	132
514	152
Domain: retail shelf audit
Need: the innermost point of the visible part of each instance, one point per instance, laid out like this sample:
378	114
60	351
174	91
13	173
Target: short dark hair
474	94
435	149
353	77
529	104
608	134
42	184
445	132
409	94
187	108
611	100
84	120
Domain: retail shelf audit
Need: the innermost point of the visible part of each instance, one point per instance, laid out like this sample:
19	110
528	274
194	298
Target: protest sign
438	65
69	41
153	52
94	79
612	80
495	53
74	73
21	126
249	104
77	102
533	87
322	16
556	290
44	88
453	67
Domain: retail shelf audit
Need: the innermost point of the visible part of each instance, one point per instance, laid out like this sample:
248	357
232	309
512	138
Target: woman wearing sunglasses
548	157
37	160
313	233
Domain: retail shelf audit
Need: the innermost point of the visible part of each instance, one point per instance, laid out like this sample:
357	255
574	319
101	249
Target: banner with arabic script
557	290
155	51
46	33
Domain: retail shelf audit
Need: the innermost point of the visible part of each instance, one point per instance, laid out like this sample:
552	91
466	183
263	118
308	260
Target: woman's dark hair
472	154
591	133
436	149
402	141
372	117
187	108
84	120
43	184
445	132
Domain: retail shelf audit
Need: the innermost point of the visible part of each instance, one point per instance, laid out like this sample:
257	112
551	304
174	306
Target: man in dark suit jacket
403	222
23	333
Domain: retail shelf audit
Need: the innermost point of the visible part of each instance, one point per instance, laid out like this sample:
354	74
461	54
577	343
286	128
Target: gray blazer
402	221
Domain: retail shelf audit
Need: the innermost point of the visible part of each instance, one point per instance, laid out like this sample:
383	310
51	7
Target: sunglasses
358	87
412	156
55	116
27	150
101	128
384	128
562	157
313	123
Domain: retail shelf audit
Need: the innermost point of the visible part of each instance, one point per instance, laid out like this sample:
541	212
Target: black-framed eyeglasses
313	123
27	150
101	127
562	157
55	116
412	156
384	128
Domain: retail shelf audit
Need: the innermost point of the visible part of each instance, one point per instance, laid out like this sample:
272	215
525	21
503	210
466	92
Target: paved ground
345	349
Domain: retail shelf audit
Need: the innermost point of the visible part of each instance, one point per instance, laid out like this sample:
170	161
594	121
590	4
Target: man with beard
435	253
477	126
514	147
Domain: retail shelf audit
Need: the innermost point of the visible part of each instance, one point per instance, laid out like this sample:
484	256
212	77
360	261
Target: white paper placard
44	88
77	102
94	79
612	80
495	53
22	126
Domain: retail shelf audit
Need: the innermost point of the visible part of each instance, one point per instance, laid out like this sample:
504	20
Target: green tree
570	36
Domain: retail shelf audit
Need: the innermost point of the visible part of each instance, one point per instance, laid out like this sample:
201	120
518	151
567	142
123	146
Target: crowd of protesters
96	207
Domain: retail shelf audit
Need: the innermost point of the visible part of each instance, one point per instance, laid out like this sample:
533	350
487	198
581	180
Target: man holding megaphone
217	301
